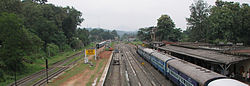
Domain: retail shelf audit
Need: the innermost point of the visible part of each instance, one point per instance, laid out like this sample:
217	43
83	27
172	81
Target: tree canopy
30	27
198	21
223	22
98	34
165	30
16	42
145	33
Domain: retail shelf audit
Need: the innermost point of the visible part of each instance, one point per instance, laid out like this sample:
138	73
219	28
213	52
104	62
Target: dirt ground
242	51
82	78
132	45
105	54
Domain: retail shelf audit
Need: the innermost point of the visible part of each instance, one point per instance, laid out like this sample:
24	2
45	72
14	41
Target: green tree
31	13
165	27
96	34
40	1
144	34
176	35
17	42
198	21
114	33
227	21
11	6
83	35
47	31
125	36
69	24
244	34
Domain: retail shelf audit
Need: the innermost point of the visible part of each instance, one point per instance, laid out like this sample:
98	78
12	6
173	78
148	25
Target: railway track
44	80
156	75
59	71
26	80
132	72
145	70
141	75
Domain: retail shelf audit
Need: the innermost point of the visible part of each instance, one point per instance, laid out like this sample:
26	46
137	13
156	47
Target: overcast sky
130	15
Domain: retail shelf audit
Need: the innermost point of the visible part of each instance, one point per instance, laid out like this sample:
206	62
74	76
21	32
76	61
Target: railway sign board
90	52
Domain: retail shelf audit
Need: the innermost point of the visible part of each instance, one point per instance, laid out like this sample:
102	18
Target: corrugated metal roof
205	54
197	73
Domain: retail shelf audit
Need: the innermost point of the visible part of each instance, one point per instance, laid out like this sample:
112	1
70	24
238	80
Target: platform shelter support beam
224	68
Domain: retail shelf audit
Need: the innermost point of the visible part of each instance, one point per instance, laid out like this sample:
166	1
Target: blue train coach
145	53
159	61
101	44
183	73
140	50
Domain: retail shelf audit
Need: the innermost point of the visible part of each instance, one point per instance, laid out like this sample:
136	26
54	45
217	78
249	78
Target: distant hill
119	32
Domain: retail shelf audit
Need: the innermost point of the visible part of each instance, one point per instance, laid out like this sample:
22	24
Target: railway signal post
47	77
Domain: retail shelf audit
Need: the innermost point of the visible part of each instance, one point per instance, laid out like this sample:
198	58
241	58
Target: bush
65	47
76	44
217	41
2	77
52	49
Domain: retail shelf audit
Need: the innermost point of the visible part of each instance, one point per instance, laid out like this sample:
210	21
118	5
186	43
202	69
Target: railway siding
32	79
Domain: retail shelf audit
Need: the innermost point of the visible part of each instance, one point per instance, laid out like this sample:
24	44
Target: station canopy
207	55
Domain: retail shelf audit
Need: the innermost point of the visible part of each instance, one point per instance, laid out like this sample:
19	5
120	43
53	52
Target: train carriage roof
102	42
162	57
226	82
195	72
147	50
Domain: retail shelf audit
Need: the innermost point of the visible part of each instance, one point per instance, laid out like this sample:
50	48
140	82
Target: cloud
130	15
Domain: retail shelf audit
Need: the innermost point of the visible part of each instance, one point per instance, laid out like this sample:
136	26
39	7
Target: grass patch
112	44
94	65
70	73
78	69
92	78
137	43
99	77
74	59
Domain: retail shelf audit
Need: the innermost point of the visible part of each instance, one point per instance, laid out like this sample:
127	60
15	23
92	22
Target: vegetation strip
91	80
